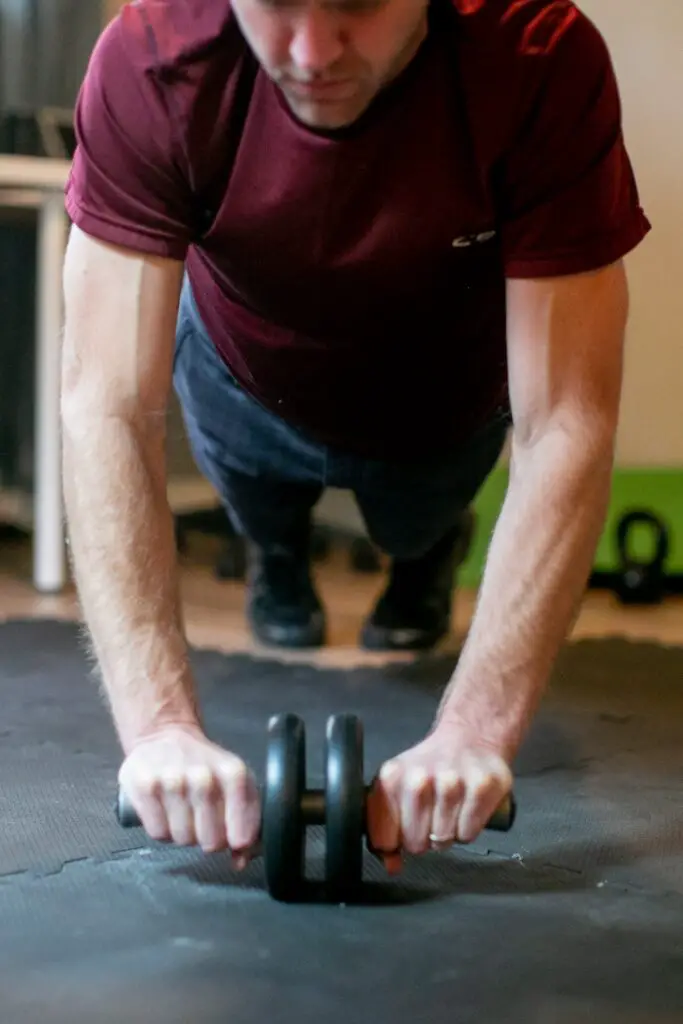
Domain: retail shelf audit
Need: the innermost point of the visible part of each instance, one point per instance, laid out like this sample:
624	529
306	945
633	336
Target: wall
110	8
645	42
44	49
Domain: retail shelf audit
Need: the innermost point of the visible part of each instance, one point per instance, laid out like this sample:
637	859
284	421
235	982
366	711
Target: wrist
486	705
166	729
134	727
482	726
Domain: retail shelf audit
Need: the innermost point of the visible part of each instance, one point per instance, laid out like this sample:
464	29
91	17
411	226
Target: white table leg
49	569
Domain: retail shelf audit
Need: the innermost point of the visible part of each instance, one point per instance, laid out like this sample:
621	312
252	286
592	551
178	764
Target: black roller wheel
283	828
344	806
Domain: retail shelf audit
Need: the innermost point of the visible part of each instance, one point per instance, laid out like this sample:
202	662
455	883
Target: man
362	237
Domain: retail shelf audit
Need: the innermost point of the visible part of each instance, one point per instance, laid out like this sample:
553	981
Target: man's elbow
568	441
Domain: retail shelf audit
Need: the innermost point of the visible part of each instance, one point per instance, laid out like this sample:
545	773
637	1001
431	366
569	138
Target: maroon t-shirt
355	282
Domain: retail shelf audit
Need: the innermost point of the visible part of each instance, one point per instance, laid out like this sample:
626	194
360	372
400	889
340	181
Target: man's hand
440	792
189	791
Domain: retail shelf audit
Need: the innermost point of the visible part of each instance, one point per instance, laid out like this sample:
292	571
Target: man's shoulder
159	91
515	56
168	37
526	35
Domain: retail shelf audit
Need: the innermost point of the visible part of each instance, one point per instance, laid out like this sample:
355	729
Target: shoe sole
374	638
381	638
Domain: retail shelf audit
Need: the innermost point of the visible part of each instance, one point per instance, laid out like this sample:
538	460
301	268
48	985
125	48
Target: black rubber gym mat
575	915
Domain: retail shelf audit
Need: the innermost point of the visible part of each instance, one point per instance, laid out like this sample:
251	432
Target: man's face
330	58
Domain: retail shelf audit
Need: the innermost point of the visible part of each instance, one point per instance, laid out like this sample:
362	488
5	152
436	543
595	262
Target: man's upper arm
129	183
567	196
119	332
130	202
569	214
565	355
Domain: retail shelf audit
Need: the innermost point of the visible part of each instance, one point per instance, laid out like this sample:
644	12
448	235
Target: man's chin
325	116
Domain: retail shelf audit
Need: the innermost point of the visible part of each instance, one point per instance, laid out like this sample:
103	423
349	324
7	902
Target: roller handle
127	817
126	814
502	819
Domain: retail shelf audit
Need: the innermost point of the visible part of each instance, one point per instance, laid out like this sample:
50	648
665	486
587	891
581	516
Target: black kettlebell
641	582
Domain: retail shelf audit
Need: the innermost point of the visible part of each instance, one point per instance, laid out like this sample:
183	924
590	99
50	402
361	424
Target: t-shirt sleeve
126	185
570	202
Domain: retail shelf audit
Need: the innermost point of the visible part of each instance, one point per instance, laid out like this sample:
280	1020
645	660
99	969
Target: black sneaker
283	608
414	611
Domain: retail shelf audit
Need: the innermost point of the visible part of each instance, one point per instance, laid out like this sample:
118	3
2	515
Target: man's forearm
538	564
124	561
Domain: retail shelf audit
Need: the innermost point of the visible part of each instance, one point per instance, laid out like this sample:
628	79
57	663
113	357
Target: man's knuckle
202	782
173	782
390	773
147	785
234	775
449	783
483	785
417	780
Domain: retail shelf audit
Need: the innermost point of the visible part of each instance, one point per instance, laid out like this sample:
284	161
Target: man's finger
393	862
383	810
241	806
483	793
417	801
449	791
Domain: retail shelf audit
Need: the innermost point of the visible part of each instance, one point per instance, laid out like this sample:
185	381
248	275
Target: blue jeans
269	474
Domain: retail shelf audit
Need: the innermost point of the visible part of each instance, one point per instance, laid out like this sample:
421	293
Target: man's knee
404	541
409	541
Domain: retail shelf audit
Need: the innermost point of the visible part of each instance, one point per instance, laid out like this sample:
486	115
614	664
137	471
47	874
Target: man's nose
317	42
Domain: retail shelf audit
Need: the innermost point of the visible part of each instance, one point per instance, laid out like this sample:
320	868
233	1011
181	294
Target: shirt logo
465	241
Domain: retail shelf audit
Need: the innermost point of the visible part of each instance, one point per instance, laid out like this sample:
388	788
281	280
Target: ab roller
289	808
